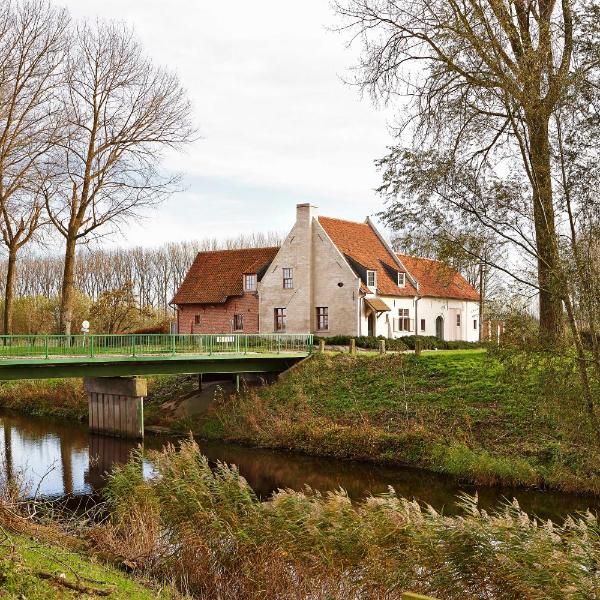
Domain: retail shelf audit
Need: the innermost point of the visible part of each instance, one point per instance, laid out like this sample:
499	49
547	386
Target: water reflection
58	459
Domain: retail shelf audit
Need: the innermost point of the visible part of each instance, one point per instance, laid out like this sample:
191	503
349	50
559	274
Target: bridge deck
43	357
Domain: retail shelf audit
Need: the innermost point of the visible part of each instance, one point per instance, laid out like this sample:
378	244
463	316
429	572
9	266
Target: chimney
305	213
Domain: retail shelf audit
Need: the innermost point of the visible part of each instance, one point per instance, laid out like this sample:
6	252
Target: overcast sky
278	125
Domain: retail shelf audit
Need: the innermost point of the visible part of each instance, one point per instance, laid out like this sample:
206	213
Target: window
238	322
196	319
280	318
250	282
402	323
372	279
322	318
474	323
401	279
458	319
422	324
288	279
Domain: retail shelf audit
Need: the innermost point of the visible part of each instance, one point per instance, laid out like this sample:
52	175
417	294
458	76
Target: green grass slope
38	571
515	419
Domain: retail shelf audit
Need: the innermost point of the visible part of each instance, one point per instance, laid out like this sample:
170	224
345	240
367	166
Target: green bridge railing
131	345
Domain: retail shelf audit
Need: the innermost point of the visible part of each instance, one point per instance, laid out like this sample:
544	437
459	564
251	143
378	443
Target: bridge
111	364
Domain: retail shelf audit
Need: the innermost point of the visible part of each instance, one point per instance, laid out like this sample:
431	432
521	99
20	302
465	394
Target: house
329	277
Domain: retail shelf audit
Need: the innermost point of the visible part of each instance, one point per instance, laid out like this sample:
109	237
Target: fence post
381	346
91	346
418	347
321	346
352	346
46	346
173	344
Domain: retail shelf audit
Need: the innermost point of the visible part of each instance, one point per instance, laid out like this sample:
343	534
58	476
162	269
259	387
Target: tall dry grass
207	530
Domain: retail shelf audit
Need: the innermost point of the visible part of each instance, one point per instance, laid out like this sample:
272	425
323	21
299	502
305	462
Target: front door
371	324
439	328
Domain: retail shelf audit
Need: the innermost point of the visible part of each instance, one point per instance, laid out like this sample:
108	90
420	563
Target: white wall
318	269
429	309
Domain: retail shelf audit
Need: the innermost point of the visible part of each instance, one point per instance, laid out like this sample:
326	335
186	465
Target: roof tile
216	275
438	280
360	242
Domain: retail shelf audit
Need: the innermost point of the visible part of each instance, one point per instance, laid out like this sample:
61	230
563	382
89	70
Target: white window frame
289	271
253	278
374	285
401	280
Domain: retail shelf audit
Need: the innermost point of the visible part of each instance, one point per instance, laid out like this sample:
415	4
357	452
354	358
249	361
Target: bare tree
483	79
122	114
32	40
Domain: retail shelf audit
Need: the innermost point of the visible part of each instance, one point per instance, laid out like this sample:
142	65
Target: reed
206	529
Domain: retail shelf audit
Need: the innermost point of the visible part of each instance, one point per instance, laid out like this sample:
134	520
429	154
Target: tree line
151	275
85	120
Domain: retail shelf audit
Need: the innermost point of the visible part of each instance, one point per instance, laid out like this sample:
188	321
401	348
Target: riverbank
483	418
42	563
66	398
489	419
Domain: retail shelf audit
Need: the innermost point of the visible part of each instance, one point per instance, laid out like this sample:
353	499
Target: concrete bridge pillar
116	405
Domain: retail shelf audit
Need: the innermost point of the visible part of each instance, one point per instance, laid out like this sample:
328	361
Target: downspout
417	298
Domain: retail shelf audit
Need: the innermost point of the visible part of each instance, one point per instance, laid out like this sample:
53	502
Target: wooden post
411	596
352	346
381	346
321	346
418	347
116	405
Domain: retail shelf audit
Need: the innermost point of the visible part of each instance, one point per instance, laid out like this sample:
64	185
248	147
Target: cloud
278	125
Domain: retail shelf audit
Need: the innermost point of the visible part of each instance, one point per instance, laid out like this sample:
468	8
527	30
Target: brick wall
218	318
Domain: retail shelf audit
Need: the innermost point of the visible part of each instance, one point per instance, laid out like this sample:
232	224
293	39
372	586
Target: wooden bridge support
116	405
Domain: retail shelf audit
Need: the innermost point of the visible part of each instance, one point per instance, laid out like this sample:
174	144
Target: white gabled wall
318	269
429	309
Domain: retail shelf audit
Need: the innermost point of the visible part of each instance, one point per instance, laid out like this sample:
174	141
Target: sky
277	124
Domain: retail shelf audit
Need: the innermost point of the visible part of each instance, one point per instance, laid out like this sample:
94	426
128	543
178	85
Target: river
57	459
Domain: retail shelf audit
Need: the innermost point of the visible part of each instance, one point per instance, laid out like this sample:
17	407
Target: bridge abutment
116	405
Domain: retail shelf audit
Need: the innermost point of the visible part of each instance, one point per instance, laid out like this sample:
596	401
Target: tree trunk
68	285
9	290
551	311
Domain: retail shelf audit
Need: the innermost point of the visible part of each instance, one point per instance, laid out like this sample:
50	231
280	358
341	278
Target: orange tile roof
360	242
438	280
216	275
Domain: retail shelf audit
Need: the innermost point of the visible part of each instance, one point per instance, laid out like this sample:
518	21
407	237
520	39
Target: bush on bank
208	531
471	414
428	342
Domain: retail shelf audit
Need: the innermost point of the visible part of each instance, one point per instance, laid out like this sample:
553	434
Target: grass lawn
37	571
481	417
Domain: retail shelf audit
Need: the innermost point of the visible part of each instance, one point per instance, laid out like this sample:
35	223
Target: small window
250	282
238	322
288	279
404	320
401	279
322	318
196	319
372	279
474	323
280	318
458	319
422	324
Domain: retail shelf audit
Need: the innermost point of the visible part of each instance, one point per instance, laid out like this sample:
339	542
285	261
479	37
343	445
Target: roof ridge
437	260
239	249
343	220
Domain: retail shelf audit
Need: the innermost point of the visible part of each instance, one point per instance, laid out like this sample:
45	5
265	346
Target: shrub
366	342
